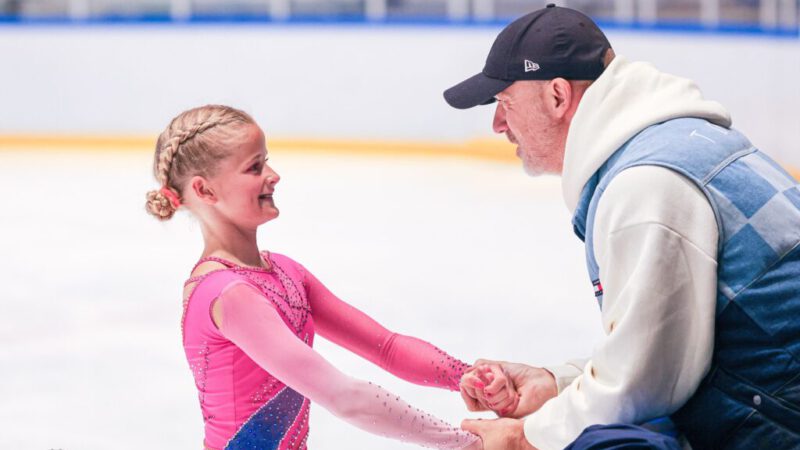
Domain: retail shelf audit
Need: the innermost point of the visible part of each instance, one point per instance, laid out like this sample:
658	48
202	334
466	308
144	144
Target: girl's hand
486	387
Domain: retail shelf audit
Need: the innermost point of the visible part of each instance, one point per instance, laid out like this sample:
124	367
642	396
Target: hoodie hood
627	98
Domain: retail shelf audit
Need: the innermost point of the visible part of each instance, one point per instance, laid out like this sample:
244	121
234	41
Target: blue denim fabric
751	397
622	437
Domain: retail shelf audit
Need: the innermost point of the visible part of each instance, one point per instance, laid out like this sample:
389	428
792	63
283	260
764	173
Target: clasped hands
510	390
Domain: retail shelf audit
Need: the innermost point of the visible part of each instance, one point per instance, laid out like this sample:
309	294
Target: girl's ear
202	189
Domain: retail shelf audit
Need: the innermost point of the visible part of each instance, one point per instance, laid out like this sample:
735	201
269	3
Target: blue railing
780	30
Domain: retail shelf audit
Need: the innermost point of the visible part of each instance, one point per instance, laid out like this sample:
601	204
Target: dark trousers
622	437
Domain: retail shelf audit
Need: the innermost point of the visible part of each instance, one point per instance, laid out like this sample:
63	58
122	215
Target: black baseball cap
553	42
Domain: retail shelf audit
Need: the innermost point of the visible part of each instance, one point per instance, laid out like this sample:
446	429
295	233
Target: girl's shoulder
209	285
205	267
212	275
200	293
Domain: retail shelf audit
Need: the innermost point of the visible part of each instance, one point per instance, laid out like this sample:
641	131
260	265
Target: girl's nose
272	177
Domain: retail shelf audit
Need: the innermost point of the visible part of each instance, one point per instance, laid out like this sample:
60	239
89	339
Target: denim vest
751	396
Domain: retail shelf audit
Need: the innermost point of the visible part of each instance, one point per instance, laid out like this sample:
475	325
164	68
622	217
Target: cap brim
474	91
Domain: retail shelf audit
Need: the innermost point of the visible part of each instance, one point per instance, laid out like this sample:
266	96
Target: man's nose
499	124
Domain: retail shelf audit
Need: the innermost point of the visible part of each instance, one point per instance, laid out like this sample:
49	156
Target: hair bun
159	206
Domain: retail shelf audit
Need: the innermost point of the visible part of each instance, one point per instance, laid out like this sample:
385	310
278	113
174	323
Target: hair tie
171	196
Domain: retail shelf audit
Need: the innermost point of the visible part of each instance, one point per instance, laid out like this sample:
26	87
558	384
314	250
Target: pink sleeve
406	357
252	323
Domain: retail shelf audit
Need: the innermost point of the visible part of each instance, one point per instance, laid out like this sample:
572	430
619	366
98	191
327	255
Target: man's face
523	115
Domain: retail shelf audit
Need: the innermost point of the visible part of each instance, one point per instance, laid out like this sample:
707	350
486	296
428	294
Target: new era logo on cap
531	66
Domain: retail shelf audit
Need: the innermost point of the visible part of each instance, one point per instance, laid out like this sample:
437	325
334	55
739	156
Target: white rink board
470	255
344	82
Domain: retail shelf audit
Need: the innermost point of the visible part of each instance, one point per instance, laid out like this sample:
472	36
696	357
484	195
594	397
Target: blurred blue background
771	16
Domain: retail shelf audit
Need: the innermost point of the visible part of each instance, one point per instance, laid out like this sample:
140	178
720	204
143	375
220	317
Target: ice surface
471	255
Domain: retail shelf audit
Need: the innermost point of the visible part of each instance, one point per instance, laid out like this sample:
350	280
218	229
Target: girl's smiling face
244	183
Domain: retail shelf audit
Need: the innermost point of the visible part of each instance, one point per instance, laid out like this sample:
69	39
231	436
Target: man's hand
480	385
499	434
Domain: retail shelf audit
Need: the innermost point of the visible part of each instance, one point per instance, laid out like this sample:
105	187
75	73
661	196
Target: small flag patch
598	288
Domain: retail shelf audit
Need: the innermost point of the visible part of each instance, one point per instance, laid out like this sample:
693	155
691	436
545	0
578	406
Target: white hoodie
655	241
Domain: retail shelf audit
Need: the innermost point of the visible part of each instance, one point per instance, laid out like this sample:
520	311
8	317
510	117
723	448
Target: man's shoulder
656	196
647	183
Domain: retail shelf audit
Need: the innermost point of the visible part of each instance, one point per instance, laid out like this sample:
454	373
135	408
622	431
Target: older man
692	243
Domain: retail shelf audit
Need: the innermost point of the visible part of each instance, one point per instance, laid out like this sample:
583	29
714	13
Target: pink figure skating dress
257	374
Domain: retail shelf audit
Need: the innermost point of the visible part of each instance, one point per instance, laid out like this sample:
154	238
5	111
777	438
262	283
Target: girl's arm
409	358
251	322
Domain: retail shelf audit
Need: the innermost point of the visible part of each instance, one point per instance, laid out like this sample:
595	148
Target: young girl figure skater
250	316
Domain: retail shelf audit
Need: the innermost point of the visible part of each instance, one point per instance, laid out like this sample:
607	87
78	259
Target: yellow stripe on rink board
488	149
74	142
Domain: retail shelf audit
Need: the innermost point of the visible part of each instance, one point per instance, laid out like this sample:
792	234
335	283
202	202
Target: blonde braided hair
193	143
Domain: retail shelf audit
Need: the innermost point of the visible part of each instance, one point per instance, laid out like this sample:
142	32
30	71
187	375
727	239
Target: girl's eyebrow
256	157
249	163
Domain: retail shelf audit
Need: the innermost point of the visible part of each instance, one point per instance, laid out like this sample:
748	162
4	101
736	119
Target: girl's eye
256	168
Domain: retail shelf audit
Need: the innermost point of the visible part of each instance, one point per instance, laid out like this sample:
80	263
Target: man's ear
202	190
561	96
